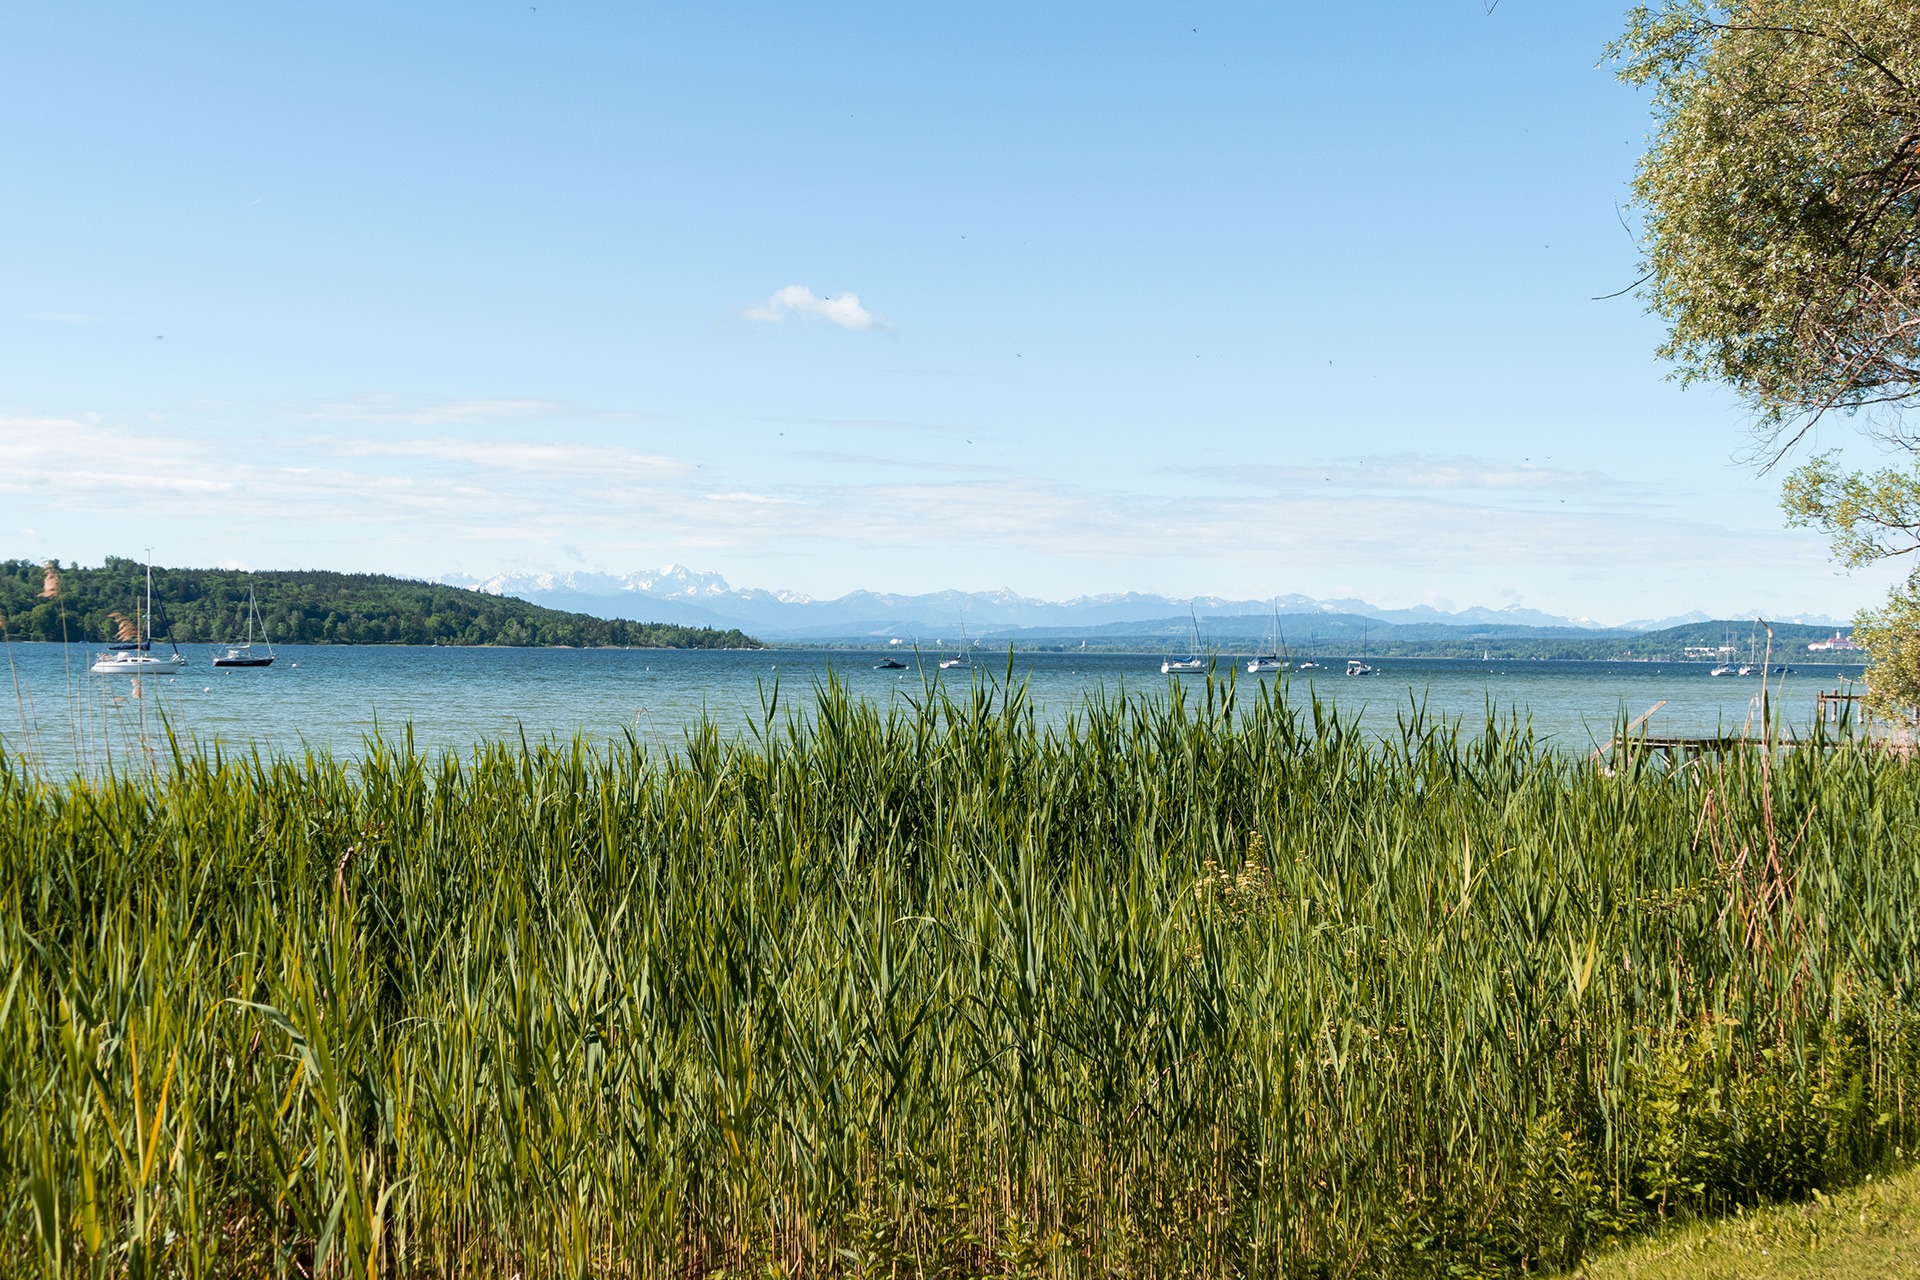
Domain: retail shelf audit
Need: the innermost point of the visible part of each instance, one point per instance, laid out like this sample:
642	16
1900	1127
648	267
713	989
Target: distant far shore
221	606
1463	651
164	643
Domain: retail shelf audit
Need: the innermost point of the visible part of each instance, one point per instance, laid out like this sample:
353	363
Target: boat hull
243	662
145	666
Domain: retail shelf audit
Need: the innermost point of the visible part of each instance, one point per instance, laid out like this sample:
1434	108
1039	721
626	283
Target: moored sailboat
1194	663
242	655
133	654
1273	659
959	659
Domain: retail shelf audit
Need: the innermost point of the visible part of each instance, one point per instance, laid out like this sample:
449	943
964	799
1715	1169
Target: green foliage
1891	634
1781	196
209	606
1177	988
1781	204
1869	517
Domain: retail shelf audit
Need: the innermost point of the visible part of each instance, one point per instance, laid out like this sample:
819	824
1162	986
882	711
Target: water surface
332	697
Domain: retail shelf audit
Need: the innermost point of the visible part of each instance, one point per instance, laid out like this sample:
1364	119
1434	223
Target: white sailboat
1193	664
958	660
1272	660
134	656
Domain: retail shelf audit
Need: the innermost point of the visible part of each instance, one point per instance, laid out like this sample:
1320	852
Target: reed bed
1187	986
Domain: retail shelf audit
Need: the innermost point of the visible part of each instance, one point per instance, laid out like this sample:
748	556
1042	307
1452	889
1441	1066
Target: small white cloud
798	300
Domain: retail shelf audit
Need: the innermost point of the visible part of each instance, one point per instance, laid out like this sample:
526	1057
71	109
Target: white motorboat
1355	667
133	655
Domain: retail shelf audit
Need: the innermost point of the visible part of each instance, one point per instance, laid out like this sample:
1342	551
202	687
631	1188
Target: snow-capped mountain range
694	598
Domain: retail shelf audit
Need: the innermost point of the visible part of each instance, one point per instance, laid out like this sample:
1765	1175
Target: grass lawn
1870	1231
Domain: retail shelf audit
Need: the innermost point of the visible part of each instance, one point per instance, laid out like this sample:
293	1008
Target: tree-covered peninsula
202	606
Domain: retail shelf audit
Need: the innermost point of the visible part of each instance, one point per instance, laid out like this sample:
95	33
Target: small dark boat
242	655
890	664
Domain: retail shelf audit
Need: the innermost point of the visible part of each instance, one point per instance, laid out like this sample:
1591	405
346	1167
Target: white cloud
1413	523
798	300
446	413
1410	471
513	455
39	448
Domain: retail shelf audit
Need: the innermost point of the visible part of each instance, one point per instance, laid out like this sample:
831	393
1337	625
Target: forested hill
204	606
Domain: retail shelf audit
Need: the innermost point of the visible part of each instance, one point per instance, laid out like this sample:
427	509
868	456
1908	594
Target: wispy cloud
1412	471
510	454
881	424
86	464
1415	513
1408	523
434	414
842	458
798	300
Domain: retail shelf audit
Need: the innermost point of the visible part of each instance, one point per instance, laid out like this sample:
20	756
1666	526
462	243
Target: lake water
331	697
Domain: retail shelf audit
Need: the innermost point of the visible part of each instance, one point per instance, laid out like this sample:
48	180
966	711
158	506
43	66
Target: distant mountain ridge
692	597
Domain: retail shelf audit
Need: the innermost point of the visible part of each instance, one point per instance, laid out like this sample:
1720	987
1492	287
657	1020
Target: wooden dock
1836	707
1678	749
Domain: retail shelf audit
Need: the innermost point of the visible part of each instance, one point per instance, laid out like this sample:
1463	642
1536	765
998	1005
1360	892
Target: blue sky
1177	297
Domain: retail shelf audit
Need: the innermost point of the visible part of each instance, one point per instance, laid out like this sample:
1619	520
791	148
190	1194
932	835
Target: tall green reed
1198	985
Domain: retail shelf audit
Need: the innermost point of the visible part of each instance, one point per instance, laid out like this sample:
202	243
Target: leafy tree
1781	205
202	606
